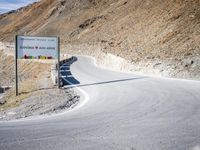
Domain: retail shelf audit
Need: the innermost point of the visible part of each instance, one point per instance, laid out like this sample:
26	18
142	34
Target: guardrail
54	70
4	88
66	60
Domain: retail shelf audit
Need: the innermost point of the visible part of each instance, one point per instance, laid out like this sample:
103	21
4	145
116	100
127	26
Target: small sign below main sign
30	47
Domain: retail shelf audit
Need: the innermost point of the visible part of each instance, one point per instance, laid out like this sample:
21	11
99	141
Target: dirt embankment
187	68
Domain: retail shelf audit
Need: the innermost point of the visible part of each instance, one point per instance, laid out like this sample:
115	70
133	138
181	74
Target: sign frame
16	59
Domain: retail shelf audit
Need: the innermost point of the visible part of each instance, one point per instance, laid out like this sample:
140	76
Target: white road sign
29	47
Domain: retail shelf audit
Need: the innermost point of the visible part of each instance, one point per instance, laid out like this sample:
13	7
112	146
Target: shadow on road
112	81
67	77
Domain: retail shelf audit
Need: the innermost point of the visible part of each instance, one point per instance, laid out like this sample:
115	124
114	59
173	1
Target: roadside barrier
54	70
4	88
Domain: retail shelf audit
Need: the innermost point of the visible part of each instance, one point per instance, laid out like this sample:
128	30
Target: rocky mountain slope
162	34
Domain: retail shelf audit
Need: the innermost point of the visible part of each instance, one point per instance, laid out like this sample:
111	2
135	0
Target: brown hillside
138	30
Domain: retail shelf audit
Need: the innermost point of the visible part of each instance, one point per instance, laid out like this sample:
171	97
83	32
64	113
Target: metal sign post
58	62
16	67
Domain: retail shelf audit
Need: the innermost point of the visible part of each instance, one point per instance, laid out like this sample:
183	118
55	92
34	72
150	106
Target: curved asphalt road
123	112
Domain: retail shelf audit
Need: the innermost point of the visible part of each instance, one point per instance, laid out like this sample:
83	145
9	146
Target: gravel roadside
48	101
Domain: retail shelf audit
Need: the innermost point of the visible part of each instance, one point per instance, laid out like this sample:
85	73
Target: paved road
118	112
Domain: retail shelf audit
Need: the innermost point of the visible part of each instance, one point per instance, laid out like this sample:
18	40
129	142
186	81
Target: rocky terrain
41	102
159	35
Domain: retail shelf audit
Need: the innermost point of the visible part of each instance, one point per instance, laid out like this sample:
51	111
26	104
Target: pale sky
8	5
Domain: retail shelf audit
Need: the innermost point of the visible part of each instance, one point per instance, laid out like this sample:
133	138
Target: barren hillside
164	34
